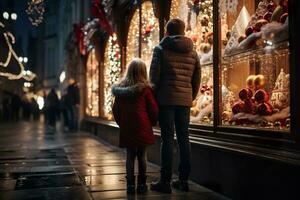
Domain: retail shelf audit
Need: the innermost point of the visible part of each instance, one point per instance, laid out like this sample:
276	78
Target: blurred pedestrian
15	106
64	109
52	108
73	100
26	108
34	109
6	109
135	111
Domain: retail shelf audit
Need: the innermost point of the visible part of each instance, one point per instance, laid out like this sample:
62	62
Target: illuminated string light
150	34
10	39
92	83
112	72
28	75
35	11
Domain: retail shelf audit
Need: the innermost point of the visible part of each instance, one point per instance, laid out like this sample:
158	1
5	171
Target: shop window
150	32
112	72
149	36
92	84
254	64
198	18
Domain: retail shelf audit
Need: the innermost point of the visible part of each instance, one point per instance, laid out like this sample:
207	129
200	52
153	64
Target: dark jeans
132	153
177	117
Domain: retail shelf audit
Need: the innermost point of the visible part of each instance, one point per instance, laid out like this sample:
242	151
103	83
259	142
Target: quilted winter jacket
175	71
135	111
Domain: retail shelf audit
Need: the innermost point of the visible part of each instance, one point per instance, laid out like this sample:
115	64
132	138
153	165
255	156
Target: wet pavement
36	163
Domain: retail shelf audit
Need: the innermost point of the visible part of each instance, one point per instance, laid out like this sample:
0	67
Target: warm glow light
21	59
25	59
149	32
40	102
92	83
132	48
112	72
13	16
5	15
62	76
11	54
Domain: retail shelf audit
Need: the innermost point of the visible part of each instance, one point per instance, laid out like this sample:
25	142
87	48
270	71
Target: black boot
130	184
181	185
142	187
161	186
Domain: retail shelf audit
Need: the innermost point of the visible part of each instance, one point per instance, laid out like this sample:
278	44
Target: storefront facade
244	131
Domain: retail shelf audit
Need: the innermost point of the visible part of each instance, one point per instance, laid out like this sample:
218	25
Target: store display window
254	64
92	84
112	72
142	38
198	18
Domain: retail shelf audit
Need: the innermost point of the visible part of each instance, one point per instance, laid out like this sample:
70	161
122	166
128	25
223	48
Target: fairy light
35	11
10	39
112	72
197	26
28	75
150	34
132	48
92	82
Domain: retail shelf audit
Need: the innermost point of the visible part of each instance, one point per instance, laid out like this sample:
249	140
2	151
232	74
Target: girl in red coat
135	111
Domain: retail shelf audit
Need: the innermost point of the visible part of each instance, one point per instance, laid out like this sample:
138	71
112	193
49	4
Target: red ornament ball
261	96
249	30
245	94
238	107
264	109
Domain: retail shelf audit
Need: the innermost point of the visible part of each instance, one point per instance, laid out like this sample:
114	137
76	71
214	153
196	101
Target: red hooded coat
135	111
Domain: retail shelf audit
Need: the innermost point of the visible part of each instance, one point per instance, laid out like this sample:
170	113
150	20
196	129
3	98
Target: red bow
98	12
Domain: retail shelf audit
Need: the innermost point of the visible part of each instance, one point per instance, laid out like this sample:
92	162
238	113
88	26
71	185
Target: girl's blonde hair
136	73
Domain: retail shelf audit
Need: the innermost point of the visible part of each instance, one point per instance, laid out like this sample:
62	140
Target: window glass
254	64
92	83
198	18
112	72
149	34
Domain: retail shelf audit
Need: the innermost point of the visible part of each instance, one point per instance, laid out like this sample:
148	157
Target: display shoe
142	187
161	186
181	185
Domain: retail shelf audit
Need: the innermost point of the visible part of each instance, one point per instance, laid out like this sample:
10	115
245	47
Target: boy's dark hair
175	27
